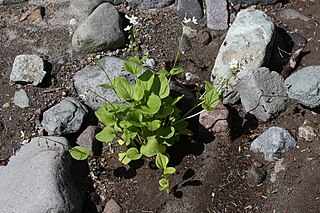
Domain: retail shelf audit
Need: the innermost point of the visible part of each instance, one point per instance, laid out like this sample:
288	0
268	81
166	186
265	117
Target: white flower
186	21
133	19
194	20
234	64
128	28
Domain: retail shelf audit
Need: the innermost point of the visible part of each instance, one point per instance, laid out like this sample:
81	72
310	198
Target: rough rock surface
112	207
189	9
65	117
216	121
304	86
85	7
21	99
101	31
251	2
217	14
42	177
272	142
87	140
4	2
88	80
28	69
262	92
250	41
150	4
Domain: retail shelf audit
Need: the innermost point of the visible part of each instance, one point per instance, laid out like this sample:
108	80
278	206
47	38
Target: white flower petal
128	28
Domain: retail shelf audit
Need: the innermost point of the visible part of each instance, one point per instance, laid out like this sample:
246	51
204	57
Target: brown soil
211	172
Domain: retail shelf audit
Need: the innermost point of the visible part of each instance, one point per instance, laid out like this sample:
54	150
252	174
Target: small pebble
257	175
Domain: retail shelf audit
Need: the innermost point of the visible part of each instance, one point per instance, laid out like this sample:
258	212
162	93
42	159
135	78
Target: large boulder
85	7
251	2
43	177
249	40
88	81
150	4
4	2
304	86
101	31
262	93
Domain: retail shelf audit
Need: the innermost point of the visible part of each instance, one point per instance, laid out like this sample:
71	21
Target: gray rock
262	93
251	2
184	44
250	41
64	118
87	140
42	177
112	207
4	2
292	14
217	14
257	175
87	6
101	31
21	99
150	4
88	80
304	86
273	142
28	69
189	9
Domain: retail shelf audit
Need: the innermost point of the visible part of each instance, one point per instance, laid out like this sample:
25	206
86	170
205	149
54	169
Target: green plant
147	120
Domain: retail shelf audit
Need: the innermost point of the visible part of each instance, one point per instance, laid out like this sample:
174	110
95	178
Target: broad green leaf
123	88
211	100
132	67
146	80
180	125
164	86
166	133
153	105
176	71
138	92
169	170
163	72
151	148
134	115
208	86
163	184
107	86
105	116
133	153
164	112
153	125
162	161
79	153
106	135
123	158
